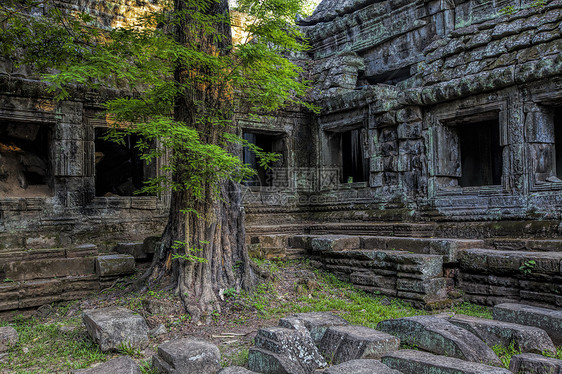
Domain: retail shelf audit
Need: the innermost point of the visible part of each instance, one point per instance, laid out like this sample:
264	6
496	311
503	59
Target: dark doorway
558	140
481	154
355	168
25	160
268	143
119	169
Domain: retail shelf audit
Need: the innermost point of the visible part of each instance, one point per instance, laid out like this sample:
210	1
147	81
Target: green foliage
127	349
239	358
527	267
473	310
508	10
505	353
146	367
157	73
230	292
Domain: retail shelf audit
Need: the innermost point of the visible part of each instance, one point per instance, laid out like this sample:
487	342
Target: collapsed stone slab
188	355
278	348
8	337
409	361
361	367
525	338
549	320
345	343
315	322
438	336
119	365
529	363
114	326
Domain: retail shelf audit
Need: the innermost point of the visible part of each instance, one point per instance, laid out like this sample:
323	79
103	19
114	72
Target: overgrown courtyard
54	340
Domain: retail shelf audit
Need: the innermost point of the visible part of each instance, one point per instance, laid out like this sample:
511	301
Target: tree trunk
214	224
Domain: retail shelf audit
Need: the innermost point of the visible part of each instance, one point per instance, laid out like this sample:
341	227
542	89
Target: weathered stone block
529	363
111	265
549	320
187	355
8	338
361	367
295	345
113	326
268	362
525	338
49	268
414	362
336	243
438	336
315	322
345	343
120	365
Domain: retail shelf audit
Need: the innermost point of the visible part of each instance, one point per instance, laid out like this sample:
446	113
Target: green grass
43	348
239	358
473	310
505	353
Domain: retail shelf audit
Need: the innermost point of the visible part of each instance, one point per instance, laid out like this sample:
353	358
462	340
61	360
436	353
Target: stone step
511	262
82	250
525	338
550	320
491	277
361	367
436	335
418	362
529	363
523	244
345	343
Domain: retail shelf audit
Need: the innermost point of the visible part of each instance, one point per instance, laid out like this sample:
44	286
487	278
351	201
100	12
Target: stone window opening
120	171
481	154
271	143
25	160
347	150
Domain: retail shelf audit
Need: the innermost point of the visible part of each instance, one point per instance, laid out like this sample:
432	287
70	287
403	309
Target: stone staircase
421	270
444	344
34	277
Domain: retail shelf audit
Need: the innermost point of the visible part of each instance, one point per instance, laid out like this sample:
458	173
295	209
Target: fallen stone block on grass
441	337
361	367
188	355
8	337
525	338
530	363
315	322
292	350
113	327
409	361
120	365
346	343
549	320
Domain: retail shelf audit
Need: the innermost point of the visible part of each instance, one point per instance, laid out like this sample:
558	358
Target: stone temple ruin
434	170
